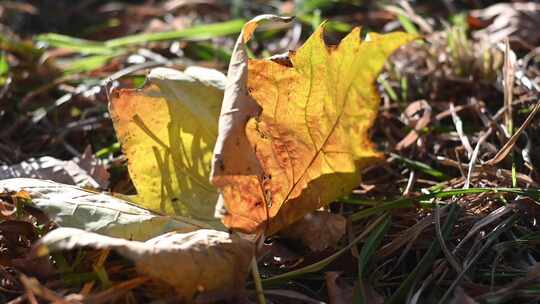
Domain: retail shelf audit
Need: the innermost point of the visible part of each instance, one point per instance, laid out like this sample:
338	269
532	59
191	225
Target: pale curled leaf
167	131
70	206
195	262
306	144
82	172
233	154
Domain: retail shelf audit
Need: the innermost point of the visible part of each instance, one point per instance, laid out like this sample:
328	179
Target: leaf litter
450	68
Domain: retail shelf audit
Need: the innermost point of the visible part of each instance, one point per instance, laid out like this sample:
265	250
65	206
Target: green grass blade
490	239
4	68
86	64
107	151
198	32
82	46
419	166
23	49
426	263
408	202
206	51
324	262
372	244
331	26
407	24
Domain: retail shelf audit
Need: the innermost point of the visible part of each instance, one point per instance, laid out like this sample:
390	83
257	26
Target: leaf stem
257	280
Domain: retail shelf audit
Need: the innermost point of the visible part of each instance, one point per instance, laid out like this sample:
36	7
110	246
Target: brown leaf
519	20
94	167
417	124
338	292
317	230
196	262
460	297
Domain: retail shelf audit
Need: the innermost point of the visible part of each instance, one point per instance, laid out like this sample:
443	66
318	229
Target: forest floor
457	196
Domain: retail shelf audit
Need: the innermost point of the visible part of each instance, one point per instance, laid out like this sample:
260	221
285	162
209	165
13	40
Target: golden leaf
167	131
307	138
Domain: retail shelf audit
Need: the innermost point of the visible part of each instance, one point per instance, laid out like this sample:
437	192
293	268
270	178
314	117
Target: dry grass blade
116	291
406	9
486	220
323	263
490	239
405	290
509	72
34	287
513	289
459	128
407	236
508	146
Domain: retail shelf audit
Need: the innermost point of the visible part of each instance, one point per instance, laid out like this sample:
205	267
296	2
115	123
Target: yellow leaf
308	139
167	131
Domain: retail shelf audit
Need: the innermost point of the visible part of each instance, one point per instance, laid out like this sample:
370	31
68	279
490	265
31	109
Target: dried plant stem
257	280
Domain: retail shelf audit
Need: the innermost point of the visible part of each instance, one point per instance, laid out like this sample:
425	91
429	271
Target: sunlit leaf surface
309	139
167	131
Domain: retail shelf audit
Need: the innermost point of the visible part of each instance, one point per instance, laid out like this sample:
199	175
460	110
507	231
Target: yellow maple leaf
301	131
168	130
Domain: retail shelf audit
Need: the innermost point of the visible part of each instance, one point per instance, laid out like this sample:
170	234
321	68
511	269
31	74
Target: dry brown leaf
338	292
196	262
460	297
292	138
519	20
317	230
417	124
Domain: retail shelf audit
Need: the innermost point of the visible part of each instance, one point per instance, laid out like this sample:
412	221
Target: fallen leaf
16	237
317	230
338	292
290	297
519	20
460	297
195	262
61	171
292	138
416	124
71	206
167	131
94	167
